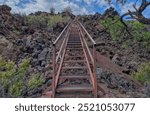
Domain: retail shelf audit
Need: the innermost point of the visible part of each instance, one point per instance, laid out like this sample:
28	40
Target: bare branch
138	13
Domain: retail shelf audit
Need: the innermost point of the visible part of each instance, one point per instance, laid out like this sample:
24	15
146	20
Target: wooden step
75	77
74	88
75	67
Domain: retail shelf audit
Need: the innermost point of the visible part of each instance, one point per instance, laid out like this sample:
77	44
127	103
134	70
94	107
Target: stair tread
73	95
74	77
74	48
75	67
74	61
74	88
74	56
74	43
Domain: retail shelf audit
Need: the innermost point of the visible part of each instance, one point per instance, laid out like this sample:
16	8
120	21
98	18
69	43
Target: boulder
42	55
5	9
116	58
147	88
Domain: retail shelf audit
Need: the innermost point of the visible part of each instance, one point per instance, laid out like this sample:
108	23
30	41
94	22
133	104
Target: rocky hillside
123	64
131	53
25	50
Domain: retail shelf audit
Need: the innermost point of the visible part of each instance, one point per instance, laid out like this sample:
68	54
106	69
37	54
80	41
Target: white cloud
59	5
102	3
126	7
89	1
10	2
45	5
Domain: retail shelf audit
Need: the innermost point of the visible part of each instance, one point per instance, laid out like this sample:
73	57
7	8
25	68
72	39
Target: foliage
124	46
34	81
139	33
45	20
118	31
55	19
15	89
38	21
12	78
143	73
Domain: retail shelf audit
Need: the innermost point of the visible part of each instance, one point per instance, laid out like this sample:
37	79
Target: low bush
143	73
45	21
118	32
16	79
34	81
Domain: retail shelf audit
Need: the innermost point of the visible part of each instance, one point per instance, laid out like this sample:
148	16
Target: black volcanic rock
97	16
5	9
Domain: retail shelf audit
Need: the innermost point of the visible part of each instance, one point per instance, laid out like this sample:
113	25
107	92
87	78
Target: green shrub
11	78
56	19
34	81
139	33
143	73
8	68
45	21
116	30
37	21
15	89
137	29
124	46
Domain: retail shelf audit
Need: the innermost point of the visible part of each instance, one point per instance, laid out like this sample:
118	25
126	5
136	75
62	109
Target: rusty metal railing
59	48
90	55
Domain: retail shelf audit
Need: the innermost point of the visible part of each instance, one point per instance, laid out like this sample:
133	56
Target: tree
52	11
137	14
67	10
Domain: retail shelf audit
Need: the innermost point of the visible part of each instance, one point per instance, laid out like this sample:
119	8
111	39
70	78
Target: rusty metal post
94	71
54	71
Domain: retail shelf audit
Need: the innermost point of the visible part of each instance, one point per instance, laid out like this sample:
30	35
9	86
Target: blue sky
78	6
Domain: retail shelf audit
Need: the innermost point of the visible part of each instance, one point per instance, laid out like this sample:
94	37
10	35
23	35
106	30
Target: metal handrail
55	59
58	38
61	48
87	34
92	57
63	55
57	65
